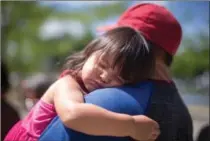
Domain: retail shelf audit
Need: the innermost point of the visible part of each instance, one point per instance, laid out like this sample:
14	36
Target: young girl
120	56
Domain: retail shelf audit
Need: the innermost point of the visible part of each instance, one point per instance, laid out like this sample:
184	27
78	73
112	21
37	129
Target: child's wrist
132	130
128	126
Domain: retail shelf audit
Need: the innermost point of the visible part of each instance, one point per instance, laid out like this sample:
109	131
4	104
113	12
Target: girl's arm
91	119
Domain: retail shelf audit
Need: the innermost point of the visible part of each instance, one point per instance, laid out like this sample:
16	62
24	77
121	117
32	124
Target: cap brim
106	28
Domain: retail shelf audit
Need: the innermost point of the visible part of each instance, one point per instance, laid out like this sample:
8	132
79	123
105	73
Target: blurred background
36	38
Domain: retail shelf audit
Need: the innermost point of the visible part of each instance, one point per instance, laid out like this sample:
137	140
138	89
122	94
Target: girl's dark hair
130	50
168	58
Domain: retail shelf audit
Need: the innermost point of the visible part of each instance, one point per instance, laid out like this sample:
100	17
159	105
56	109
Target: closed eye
103	65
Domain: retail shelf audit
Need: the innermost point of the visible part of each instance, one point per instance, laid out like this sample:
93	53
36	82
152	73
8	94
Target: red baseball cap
155	22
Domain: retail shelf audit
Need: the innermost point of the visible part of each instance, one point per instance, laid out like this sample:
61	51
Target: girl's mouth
96	84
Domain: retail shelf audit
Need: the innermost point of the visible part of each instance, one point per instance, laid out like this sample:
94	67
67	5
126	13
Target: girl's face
98	73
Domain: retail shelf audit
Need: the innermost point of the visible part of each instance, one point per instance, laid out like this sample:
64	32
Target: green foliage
21	22
93	14
21	26
194	60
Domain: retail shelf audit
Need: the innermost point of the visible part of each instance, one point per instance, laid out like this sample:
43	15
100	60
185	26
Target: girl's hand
145	128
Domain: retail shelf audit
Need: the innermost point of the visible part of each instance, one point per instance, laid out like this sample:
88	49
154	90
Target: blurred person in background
34	87
164	33
9	115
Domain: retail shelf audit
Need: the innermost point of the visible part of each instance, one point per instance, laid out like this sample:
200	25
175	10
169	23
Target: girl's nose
104	77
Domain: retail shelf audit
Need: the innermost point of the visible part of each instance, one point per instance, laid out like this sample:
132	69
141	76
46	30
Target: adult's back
169	110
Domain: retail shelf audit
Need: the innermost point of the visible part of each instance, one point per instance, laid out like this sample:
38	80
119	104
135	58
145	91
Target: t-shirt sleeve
115	100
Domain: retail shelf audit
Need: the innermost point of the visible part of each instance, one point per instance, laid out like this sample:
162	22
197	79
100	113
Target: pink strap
64	73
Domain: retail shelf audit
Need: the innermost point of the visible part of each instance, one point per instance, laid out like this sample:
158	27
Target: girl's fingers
154	135
156	130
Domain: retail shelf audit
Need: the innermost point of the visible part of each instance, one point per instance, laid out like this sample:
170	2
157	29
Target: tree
194	60
20	23
22	47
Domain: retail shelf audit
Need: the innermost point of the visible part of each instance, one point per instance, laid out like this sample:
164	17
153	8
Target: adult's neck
162	71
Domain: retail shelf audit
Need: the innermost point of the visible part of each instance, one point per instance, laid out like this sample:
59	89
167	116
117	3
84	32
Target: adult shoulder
115	99
130	99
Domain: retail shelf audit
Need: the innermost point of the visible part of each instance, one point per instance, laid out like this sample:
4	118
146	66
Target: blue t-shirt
130	100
